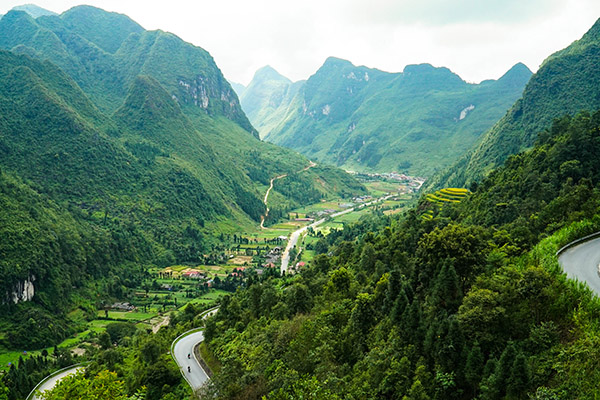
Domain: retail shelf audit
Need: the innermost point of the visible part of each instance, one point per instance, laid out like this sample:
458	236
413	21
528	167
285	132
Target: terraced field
442	197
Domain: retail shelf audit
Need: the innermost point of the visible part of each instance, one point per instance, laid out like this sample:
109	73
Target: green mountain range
568	81
120	147
363	119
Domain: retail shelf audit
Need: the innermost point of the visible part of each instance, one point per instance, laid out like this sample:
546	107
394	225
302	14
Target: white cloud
478	39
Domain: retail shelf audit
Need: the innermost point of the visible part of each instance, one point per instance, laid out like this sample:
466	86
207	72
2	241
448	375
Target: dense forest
469	304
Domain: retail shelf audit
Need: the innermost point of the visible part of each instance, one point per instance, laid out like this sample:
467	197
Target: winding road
263	217
285	258
581	261
51	381
196	377
183	346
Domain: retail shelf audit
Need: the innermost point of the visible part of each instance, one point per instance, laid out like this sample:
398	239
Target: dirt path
263	217
164	322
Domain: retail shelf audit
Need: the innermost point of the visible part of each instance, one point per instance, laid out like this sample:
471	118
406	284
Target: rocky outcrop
22	291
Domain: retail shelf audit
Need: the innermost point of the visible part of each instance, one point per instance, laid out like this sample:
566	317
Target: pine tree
400	306
474	368
518	381
446	292
504	368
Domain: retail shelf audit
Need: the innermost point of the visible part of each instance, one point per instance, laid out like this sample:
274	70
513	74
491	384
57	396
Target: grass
209	359
133	316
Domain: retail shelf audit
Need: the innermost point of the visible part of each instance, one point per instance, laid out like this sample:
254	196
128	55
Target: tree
466	246
340	281
368	258
104	340
518	381
474	368
416	392
104	385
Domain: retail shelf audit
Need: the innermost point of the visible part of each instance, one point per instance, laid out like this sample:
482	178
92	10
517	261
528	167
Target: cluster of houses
273	256
122	307
193	274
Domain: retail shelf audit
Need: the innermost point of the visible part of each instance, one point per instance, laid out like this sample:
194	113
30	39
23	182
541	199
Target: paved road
285	258
50	383
581	263
184	346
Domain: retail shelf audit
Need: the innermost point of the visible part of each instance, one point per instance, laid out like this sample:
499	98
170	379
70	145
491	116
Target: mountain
267	97
136	150
238	87
467	305
33	10
568	81
363	119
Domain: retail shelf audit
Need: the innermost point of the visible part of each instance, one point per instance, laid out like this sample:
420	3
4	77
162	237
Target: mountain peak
33	10
518	75
93	23
269	73
336	61
418	68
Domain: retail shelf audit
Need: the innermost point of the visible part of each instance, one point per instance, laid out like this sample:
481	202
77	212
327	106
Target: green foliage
566	83
420	120
453	308
105	385
119	148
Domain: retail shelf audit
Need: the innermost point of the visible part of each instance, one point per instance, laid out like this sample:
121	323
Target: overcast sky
477	39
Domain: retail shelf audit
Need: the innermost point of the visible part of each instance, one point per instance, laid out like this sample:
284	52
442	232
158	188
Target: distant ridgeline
120	147
417	122
567	82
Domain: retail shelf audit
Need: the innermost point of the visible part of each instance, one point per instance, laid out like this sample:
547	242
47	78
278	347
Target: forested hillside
466	305
417	122
139	146
567	82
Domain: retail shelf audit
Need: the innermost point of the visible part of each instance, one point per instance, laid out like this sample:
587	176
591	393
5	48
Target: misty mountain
364	119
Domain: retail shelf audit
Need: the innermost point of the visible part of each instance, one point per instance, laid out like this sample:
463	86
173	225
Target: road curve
184	345
196	377
263	217
581	263
50	382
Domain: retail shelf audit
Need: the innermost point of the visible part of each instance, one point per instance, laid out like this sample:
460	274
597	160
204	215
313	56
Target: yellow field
441	197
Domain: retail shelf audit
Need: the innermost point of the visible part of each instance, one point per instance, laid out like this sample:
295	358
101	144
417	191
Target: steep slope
104	53
417	121
267	96
47	256
469	305
567	82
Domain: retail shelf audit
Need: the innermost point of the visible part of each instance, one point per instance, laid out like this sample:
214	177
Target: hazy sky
477	39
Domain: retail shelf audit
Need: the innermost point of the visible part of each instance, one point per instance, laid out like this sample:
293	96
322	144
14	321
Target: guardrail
60	371
576	242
